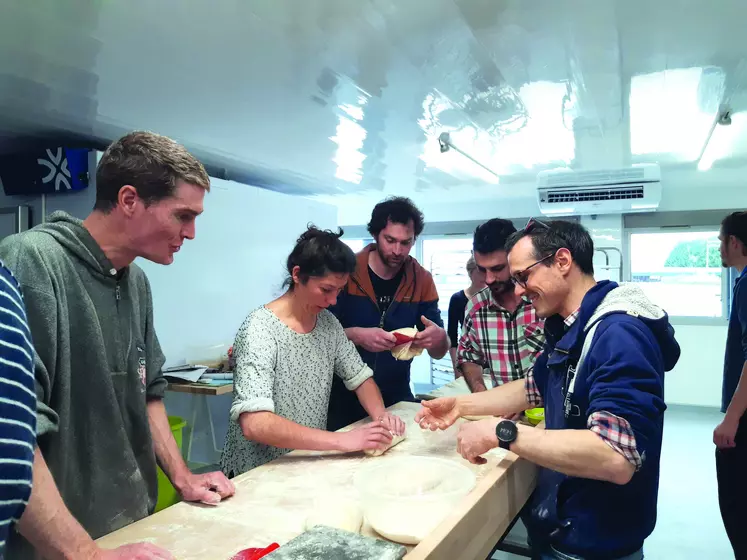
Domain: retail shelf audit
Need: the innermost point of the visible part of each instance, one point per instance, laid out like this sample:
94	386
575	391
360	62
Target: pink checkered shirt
614	431
504	342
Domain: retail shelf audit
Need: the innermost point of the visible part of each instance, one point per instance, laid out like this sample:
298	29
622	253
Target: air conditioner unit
563	192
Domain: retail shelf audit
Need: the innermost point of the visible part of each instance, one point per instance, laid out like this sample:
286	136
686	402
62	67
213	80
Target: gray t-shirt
289	373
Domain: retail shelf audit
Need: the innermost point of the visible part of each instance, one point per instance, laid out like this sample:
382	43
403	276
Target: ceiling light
718	141
445	144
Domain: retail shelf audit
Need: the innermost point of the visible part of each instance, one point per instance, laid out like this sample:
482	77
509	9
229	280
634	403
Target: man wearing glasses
601	380
501	329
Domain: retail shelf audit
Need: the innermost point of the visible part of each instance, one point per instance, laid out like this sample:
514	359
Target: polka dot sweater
289	373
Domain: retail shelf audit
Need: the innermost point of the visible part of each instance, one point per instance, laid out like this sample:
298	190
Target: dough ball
345	515
377	452
405	352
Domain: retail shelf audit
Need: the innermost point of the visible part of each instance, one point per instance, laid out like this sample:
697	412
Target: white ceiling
344	99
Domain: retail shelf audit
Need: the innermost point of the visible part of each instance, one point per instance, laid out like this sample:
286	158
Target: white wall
696	380
235	263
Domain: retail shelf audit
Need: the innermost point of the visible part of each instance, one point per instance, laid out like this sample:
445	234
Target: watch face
506	431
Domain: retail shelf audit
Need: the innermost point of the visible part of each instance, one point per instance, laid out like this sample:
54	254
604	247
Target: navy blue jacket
623	374
356	307
736	343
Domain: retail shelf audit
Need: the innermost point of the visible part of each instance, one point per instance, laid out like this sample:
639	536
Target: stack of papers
198	374
190	374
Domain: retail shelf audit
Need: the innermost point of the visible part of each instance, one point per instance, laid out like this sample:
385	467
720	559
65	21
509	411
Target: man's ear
564	260
127	199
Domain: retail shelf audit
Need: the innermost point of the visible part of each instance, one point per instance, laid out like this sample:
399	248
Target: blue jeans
553	554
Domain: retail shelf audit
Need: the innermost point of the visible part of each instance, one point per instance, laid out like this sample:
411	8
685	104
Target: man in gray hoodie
102	425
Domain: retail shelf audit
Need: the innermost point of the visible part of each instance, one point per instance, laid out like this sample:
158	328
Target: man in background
17	408
730	436
501	329
388	290
102	425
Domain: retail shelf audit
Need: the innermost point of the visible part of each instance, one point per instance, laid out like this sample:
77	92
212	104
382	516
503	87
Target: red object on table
255	553
402	338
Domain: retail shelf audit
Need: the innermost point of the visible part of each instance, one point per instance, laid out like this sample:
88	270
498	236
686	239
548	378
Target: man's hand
369	436
430	338
209	488
724	435
438	414
476	438
375	339
138	551
392	423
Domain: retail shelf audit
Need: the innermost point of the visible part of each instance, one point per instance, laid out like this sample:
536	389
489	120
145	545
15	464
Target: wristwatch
506	432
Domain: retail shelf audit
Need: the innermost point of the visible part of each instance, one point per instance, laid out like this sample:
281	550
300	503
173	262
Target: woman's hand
393	423
369	436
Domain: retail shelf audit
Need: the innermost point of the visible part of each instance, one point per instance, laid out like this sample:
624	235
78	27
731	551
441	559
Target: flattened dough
377	452
405	351
475	418
345	515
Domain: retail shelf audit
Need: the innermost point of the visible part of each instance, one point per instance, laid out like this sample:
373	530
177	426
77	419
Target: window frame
725	275
443	304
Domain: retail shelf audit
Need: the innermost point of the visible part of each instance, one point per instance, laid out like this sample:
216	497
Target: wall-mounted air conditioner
564	192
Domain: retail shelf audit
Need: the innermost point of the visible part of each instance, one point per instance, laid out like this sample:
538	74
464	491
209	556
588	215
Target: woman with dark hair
286	355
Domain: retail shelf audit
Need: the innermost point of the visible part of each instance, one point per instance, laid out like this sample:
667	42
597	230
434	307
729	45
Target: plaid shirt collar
568	321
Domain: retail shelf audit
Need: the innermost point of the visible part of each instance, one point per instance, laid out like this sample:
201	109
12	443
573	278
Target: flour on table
345	515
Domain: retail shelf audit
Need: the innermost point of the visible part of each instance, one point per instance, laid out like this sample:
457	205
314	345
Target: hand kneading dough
405	351
345	515
377	452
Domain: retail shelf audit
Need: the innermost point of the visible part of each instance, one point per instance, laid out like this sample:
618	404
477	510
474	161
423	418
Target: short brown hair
736	224
151	163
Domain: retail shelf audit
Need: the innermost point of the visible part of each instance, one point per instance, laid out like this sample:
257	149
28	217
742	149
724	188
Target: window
680	271
446	259
355	244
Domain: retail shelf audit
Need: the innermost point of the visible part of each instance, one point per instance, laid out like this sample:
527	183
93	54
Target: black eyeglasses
522	276
533	223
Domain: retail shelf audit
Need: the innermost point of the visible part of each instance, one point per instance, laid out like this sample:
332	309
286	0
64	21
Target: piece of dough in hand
405	351
346	515
377	452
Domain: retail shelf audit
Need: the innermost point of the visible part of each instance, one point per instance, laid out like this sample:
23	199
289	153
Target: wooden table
272	502
200	391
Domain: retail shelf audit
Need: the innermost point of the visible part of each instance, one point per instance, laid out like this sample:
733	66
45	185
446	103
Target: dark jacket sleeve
740	307
455	309
626	379
338	309
428	307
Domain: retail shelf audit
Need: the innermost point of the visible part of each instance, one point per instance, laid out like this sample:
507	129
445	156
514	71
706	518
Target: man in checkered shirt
601	381
501	331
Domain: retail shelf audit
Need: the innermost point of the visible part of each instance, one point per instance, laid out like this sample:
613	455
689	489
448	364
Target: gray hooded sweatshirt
97	363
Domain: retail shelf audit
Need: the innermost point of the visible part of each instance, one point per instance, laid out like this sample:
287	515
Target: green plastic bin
167	494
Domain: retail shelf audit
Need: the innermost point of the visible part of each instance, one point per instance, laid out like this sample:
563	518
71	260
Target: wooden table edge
509	484
200	389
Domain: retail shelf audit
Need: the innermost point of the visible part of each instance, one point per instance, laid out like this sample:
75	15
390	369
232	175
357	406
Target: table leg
192	426
212	428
